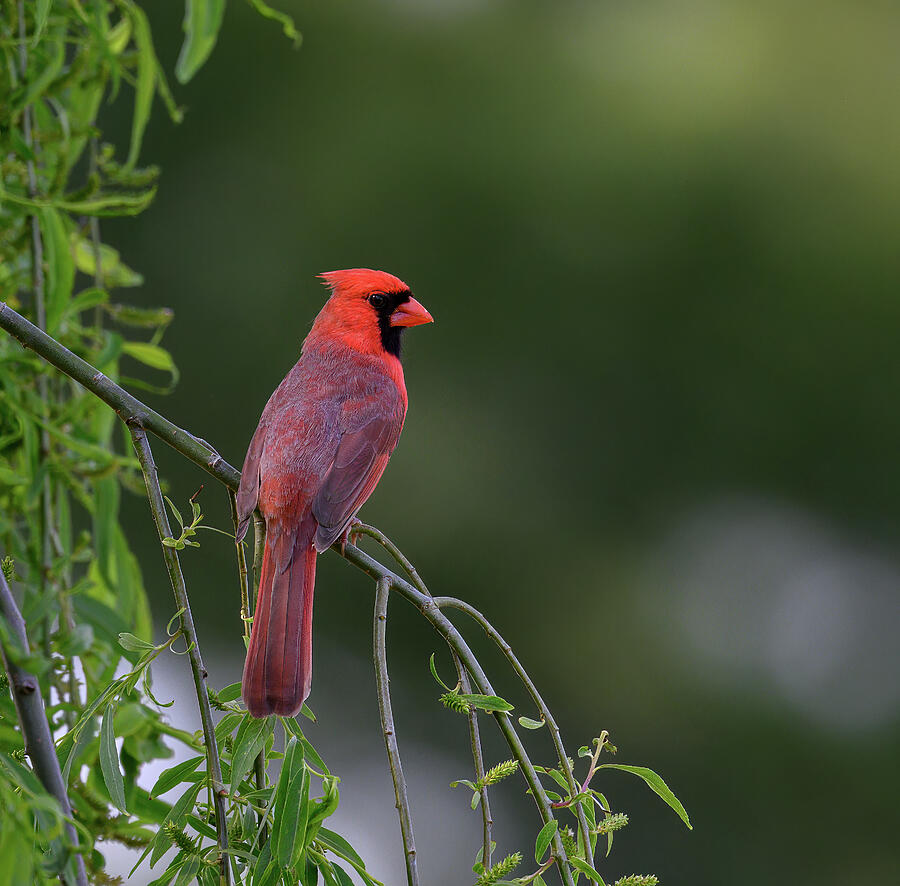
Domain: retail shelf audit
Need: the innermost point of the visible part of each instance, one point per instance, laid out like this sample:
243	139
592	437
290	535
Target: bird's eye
377	300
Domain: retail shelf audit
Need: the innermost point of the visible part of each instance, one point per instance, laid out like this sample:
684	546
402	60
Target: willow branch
478	761
546	715
259	546
39	744
425	604
176	576
259	765
134	412
382	681
243	575
394	551
37	270
465	686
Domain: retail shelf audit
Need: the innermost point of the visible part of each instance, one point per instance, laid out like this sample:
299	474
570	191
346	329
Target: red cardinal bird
322	444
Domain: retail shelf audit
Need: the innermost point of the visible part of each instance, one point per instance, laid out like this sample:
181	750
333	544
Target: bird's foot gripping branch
228	820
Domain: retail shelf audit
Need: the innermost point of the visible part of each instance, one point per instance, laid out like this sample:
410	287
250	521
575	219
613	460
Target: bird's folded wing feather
361	458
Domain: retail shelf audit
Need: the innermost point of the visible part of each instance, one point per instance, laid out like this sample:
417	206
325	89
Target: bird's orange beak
411	313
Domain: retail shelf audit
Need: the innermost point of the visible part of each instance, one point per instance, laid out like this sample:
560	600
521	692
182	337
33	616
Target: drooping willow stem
425	604
382	591
487	822
465	686
243	575
545	712
29	703
176	576
45	557
259	765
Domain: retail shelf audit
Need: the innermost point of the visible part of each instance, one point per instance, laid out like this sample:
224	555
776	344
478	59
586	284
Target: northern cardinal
323	442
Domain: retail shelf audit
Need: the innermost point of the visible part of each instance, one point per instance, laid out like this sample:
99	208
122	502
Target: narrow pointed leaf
174	776
546	834
487	702
109	761
202	20
584	868
657	785
251	737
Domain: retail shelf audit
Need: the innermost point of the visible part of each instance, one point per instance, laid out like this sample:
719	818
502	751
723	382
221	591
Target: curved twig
547	716
382	591
39	744
176	576
457	643
465	686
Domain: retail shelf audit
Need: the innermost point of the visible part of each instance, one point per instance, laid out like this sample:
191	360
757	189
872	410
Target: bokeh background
653	433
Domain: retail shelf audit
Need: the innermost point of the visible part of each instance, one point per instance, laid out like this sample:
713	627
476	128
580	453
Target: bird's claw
350	536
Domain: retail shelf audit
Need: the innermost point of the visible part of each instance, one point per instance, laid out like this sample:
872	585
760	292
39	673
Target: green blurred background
653	432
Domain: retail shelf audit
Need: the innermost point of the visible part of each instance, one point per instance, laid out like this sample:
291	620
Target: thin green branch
465	685
259	765
394	551
39	744
259	546
478	761
457	643
37	270
243	575
383	587
176	576
545	712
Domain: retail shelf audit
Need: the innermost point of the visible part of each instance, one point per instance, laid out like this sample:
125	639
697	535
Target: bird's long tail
278	670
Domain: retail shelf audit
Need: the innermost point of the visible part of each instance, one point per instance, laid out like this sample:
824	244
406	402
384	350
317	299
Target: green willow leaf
251	737
293	764
657	785
546	834
37	87
175	775
486	702
102	205
435	674
41	12
160	843
60	266
109	761
227	724
150	355
528	723
584	868
294	817
131	643
118	36
309	752
145	85
336	843
232	692
202	20
112	270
